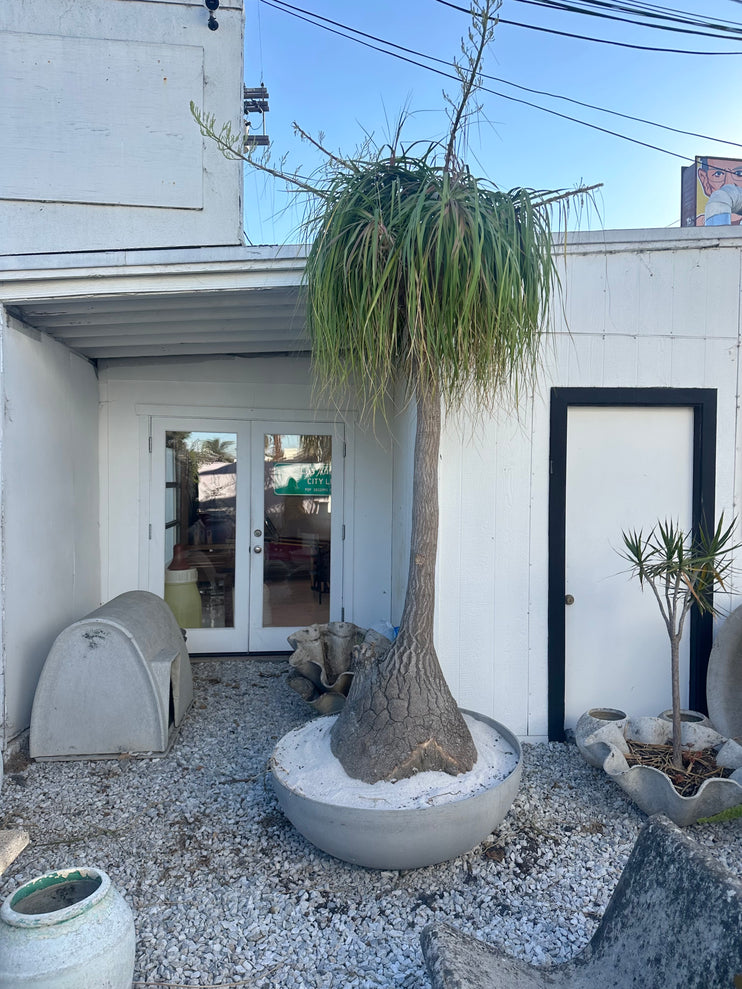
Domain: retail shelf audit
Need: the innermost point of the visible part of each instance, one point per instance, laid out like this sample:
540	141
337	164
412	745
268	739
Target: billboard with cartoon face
712	192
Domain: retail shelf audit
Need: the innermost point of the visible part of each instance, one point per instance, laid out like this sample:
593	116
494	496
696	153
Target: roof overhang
234	300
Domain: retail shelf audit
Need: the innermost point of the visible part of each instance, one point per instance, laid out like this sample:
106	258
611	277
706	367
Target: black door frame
703	401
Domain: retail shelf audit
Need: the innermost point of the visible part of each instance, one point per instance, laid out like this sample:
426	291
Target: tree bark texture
400	717
677	747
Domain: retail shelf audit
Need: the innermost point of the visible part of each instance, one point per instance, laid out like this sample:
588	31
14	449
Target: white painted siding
642	309
50	564
99	149
637	314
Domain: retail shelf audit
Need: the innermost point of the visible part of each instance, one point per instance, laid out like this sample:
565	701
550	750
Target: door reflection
200	527
297	516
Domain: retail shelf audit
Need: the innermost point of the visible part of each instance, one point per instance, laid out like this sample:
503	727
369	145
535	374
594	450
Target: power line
597	41
642	5
644	10
298	12
527	89
573	9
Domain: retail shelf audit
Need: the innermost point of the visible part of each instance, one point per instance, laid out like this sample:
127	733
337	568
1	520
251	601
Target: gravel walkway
226	893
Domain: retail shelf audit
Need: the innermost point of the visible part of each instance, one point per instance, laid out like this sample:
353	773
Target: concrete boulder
674	922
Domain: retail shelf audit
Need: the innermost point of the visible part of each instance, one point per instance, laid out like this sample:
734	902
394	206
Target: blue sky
336	87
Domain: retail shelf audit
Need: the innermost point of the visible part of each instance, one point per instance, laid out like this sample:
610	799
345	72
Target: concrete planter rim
414	821
417	812
653	792
606	714
47	880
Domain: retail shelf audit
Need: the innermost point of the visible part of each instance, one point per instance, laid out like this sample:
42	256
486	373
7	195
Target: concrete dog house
117	681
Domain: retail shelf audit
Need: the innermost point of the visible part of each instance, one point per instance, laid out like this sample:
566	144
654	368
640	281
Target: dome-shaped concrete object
724	678
118	680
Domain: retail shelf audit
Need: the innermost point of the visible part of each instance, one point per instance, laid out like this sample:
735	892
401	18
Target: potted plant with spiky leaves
682	569
699	775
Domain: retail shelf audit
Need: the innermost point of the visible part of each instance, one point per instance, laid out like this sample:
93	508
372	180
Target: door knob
257	549
569	599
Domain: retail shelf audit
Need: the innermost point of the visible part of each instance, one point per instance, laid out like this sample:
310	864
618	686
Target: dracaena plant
682	569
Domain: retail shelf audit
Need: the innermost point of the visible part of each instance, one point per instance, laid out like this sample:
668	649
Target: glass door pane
200	527
294	556
297	515
198	547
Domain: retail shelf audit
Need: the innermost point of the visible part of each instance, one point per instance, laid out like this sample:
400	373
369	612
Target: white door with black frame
245	532
626	467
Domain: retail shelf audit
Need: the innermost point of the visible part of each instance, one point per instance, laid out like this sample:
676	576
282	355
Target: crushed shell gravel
226	893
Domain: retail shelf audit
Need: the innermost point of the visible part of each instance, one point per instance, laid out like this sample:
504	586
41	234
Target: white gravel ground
225	893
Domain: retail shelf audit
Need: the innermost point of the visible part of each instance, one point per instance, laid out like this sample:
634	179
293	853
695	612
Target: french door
246	528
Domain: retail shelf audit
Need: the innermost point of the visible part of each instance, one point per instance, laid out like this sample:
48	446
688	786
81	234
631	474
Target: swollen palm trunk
400	717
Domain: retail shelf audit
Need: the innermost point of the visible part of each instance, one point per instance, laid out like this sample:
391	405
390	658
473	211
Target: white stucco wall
637	312
224	388
99	150
49	472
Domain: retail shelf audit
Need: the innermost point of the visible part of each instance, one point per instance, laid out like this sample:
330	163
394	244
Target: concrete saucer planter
652	790
68	929
383	827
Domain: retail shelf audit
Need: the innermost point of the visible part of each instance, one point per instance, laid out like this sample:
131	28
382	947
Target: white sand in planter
304	761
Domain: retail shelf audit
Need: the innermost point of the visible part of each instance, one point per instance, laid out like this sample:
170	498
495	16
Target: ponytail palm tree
421	273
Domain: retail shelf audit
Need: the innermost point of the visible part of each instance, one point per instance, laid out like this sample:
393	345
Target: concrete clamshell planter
322	661
385	837
652	790
68	929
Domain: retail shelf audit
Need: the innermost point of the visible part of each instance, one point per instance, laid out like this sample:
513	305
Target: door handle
257	549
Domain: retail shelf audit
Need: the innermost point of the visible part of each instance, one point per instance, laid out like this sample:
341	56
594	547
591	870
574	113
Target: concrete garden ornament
68	929
724	678
323	660
703	776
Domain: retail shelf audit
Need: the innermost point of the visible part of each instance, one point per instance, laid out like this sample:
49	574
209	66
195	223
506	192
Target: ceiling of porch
234	301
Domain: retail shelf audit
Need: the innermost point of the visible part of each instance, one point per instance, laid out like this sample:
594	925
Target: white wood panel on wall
512	584
482	607
664	318
451	569
537	616
59	145
50	505
119	128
